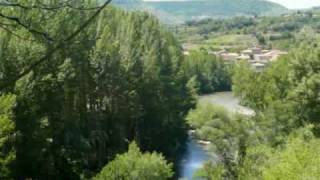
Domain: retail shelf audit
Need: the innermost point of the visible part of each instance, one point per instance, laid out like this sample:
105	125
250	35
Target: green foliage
305	77
274	143
244	73
193	90
121	79
234	41
210	73
124	78
289	85
7	130
230	135
261	90
210	172
135	165
178	12
285	97
298	159
238	33
204	113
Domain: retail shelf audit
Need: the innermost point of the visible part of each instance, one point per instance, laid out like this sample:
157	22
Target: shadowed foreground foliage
119	80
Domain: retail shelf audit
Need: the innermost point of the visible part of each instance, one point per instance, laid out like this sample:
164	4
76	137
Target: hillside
180	11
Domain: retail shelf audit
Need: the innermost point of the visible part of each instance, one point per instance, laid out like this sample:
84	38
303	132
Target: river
196	153
194	158
228	101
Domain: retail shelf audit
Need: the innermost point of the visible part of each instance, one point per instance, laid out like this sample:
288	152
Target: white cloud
298	4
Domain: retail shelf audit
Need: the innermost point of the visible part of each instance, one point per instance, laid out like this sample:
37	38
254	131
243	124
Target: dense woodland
119	80
176	13
89	91
207	73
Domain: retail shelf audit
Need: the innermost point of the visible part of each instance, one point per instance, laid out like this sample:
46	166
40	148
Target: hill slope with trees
181	11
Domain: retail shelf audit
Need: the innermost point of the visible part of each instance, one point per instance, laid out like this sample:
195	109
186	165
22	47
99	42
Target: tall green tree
120	79
136	165
7	135
211	73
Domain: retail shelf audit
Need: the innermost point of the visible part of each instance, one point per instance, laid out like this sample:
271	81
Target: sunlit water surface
196	154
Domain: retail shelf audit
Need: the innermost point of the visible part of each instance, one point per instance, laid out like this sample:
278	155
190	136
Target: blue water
196	154
193	160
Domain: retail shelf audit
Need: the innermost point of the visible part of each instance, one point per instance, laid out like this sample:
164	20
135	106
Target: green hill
180	11
130	4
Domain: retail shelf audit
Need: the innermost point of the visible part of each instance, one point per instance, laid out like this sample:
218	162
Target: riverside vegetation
281	141
119	80
95	92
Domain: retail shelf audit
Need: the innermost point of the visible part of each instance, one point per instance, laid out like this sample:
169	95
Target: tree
210	171
243	83
261	90
135	165
78	108
7	132
14	23
230	135
299	160
305	77
211	73
296	159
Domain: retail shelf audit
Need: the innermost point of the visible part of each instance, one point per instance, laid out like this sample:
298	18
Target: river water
228	101
194	158
196	154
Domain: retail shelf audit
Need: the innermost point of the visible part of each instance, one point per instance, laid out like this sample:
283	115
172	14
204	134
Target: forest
91	91
283	32
177	12
69	106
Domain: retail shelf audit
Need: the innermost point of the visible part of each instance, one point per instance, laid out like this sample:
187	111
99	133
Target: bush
135	165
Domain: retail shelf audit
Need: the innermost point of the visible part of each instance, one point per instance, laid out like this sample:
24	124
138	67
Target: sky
298	4
291	4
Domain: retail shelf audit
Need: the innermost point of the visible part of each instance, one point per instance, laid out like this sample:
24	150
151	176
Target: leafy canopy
135	165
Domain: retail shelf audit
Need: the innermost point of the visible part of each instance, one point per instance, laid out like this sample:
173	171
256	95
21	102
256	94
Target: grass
232	40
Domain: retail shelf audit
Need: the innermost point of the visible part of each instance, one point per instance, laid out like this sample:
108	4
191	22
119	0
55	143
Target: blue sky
292	4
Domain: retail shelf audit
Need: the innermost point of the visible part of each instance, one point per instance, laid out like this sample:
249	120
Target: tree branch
56	48
46	7
14	34
31	30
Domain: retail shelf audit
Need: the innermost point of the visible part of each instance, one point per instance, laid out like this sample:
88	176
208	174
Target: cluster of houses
256	56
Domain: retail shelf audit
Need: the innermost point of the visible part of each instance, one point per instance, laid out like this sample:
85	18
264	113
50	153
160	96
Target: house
247	52
229	56
186	53
256	50
269	55
259	67
243	57
217	53
262	57
276	54
256	56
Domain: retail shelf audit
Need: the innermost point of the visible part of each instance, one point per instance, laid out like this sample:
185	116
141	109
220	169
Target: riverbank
228	101
197	150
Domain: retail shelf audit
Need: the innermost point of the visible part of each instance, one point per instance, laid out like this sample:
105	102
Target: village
257	56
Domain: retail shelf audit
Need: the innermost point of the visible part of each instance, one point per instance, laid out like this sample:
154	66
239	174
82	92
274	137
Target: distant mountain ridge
180	11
